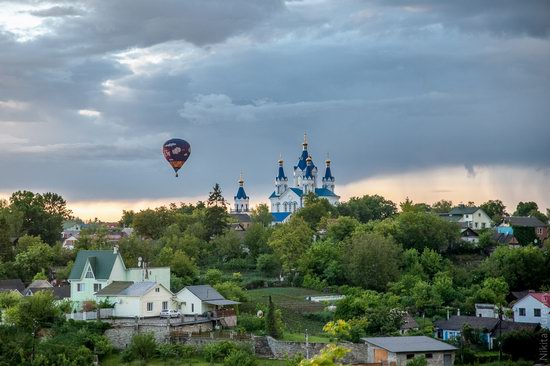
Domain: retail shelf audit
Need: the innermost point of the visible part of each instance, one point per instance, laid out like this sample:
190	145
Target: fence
91	315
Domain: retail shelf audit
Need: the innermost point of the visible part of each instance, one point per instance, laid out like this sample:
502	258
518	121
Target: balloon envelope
176	152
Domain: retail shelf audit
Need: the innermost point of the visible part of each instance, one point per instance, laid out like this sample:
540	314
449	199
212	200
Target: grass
300	337
293	304
114	360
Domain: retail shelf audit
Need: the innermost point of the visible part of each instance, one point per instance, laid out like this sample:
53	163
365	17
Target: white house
141	299
533	308
70	242
201	299
473	217
93	270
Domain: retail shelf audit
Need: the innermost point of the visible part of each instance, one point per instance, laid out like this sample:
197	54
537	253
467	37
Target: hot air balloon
176	152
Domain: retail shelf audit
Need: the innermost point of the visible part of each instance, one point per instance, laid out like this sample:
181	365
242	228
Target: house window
157	289
536	312
476	225
410	356
539	230
165	305
89	274
521	311
80	287
149	306
429	355
97	287
192	308
483	225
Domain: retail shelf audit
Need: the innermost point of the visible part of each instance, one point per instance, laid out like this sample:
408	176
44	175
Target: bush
268	264
418	361
251	323
218	351
240	358
320	316
143	346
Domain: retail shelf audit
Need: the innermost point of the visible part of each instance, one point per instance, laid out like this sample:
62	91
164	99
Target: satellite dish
139	261
260	314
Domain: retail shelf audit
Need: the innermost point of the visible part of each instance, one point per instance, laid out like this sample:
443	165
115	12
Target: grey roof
510	326
409	322
14	284
526	221
59	293
40	284
222	302
205	292
114	288
409	344
457	323
502	238
241	217
463	210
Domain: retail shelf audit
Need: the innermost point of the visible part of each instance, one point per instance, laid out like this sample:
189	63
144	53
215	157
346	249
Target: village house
399	351
489	328
201	299
94	270
539	228
15	285
533	308
469	217
142	299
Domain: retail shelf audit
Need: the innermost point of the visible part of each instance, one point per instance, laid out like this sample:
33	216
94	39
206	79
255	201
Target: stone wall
121	335
282	350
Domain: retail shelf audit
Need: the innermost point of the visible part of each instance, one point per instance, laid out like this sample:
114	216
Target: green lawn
300	337
292	302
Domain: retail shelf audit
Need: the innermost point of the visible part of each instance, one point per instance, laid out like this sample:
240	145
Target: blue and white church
288	198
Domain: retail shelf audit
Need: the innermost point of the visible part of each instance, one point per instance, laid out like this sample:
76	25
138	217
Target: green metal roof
102	262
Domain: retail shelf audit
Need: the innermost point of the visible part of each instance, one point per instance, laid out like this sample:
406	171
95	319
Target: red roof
543	297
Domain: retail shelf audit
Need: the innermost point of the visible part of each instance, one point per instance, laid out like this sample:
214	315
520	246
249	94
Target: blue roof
324	192
328	174
302	164
280	216
281	174
298	191
241	194
309	170
273	195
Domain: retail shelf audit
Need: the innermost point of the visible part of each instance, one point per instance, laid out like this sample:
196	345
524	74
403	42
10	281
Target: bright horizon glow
509	184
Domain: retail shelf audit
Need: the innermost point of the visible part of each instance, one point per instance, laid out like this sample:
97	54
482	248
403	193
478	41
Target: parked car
170	313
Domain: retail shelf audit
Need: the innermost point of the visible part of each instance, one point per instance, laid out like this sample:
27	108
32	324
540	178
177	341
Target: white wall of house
155	298
156	274
529	305
190	304
118	273
478	220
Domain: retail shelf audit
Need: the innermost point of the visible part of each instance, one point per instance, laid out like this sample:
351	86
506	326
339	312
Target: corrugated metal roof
409	344
205	292
102	262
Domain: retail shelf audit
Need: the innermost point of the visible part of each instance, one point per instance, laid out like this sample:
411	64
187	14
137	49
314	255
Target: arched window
278	207
285	207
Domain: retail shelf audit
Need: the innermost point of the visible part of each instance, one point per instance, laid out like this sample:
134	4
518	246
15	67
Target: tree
324	261
424	230
143	346
289	241
375	261
442	206
127	218
231	291
227	246
368	208
495	209
37	257
216	217
273	321
523	268
152	223
183	266
525	208
33	313
341	228
255	239
261	215
409	206
339	329
213	276
42	215
268	264
314	210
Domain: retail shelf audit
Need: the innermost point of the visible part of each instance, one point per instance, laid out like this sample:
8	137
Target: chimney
115	249
458	312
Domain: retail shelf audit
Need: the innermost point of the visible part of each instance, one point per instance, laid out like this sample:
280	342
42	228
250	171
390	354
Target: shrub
170	351
251	323
143	346
418	361
240	358
218	351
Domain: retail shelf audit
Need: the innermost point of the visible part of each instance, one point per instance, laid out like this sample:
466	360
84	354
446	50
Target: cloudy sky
429	99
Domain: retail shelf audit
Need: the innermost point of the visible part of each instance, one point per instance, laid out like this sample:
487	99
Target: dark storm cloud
504	17
382	88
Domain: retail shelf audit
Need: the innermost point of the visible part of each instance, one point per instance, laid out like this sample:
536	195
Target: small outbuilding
399	351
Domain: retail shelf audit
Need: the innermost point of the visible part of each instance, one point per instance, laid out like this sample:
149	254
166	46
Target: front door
447	360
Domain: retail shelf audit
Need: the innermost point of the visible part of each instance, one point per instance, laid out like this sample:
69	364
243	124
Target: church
287	198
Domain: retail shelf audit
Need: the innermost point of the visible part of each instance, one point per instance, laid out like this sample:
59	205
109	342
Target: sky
426	99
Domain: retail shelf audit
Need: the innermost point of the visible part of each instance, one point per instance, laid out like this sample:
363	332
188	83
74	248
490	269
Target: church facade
288	196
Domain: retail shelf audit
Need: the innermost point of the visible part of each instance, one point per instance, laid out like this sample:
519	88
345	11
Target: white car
170	313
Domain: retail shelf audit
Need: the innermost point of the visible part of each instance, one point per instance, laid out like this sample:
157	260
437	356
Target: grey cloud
56	11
